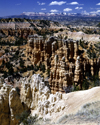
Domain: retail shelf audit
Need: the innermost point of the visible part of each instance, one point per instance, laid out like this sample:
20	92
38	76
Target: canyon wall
68	64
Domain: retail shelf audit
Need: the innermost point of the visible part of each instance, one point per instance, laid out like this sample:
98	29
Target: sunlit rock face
41	99
10	104
66	60
34	91
15	106
86	37
33	96
4	104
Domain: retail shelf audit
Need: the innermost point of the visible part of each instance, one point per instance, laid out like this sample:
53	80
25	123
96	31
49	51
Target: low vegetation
89	113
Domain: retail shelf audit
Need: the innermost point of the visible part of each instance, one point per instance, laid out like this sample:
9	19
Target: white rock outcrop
87	37
35	96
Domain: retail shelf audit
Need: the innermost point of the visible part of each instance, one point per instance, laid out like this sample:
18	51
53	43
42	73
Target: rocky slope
35	96
27	23
87	37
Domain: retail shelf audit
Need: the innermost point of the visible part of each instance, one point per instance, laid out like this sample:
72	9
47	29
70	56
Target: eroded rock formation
66	61
33	96
18	32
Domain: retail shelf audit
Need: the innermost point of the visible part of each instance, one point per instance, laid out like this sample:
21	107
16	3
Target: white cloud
40	3
98	4
79	8
41	13
28	13
57	3
85	12
98	11
43	9
67	9
54	11
95	12
74	3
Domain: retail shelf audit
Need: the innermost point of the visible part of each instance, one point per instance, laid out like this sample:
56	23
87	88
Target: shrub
85	84
61	29
62	119
23	117
36	68
21	63
18	90
32	119
10	71
6	50
5	74
48	72
42	68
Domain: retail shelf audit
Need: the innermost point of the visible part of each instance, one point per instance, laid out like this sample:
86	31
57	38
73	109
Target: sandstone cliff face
10	105
15	106
4	106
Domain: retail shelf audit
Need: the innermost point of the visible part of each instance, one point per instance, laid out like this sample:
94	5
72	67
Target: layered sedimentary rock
18	32
13	25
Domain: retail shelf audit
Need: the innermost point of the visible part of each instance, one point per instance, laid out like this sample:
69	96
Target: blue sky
13	7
